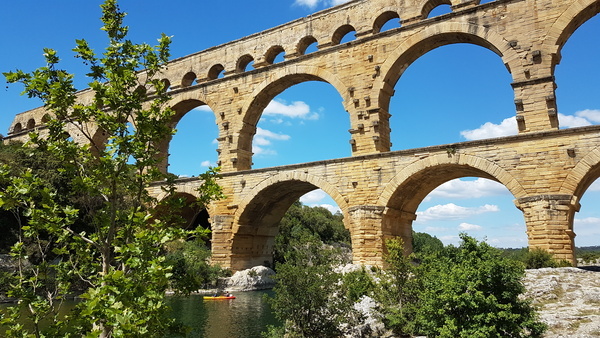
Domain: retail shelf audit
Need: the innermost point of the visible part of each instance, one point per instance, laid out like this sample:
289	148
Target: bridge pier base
549	221
221	226
372	226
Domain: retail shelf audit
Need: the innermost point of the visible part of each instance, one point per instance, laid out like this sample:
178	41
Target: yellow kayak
219	297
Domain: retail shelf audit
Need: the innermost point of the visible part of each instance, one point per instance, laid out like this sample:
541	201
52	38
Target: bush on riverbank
469	290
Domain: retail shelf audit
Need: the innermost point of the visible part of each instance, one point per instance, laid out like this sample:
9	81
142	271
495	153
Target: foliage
190	266
472	291
307	298
398	289
534	258
302	220
103	235
588	255
537	258
424	243
358	283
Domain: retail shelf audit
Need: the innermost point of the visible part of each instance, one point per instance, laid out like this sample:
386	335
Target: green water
246	316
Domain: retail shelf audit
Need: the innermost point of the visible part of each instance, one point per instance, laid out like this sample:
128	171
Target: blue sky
460	92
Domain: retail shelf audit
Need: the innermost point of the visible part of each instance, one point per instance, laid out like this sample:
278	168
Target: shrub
537	258
472	291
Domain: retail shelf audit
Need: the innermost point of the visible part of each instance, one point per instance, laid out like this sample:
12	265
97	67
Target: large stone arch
256	222
451	167
310	180
404	193
274	85
432	37
567	23
182	106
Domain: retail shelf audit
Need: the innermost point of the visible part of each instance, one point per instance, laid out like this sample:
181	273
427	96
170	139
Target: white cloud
307	3
453	211
296	109
207	164
488	130
592	115
508	126
570	121
480	187
469	227
263	138
332	208
313	197
587	231
313	3
204	108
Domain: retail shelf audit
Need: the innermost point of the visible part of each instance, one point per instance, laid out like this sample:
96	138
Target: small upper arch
31	123
384	18
304	43
17	128
272	53
243	63
430	5
188	79
215	71
340	33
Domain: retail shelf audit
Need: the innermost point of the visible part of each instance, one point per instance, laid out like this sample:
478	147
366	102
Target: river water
246	316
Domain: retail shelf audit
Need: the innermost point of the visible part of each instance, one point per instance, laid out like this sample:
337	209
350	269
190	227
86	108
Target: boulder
256	278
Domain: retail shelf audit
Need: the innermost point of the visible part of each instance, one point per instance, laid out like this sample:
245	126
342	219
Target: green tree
190	266
316	221
118	259
424	243
309	299
472	291
398	289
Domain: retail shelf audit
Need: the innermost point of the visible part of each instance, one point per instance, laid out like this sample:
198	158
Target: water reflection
246	316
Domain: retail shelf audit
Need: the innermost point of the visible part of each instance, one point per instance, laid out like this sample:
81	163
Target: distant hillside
588	248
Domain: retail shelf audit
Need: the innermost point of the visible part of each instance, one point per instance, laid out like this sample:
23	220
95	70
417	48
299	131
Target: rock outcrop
567	299
256	278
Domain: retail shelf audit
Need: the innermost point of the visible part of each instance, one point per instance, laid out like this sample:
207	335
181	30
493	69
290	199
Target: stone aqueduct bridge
546	169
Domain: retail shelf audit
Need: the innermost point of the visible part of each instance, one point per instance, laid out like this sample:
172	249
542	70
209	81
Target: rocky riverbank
567	299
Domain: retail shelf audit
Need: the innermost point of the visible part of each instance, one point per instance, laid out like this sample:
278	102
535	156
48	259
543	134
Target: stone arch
430	5
383	18
276	84
243	62
256	222
30	124
272	53
182	106
17	128
339	33
305	179
418	179
188	79
433	37
585	172
304	43
577	14
215	71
